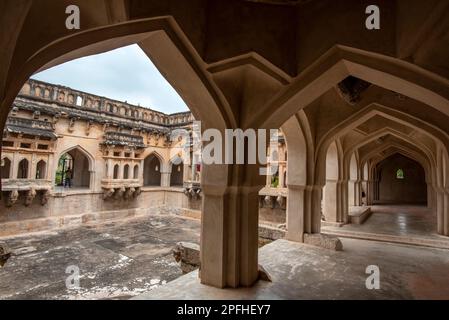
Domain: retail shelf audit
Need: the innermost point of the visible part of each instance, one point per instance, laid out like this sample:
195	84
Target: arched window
116	169
6	168
126	172
22	172
400	174
136	172
41	170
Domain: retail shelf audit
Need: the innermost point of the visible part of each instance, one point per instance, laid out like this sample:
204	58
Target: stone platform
301	271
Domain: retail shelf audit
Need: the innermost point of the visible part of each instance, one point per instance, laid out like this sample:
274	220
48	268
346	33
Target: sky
124	74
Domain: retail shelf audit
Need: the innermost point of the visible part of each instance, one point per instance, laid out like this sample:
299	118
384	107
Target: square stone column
229	225
303	211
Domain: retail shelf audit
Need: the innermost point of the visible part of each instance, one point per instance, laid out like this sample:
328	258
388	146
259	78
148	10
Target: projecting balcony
29	188
121	188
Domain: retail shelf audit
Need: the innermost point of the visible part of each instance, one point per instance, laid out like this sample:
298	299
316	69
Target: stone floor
300	271
396	223
132	258
117	260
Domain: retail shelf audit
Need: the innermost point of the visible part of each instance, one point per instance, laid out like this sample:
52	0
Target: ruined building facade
122	159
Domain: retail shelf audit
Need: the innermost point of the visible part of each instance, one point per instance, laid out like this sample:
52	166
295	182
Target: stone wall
77	207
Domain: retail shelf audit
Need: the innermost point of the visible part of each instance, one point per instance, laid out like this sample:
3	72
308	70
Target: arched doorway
177	175
73	170
152	171
401	181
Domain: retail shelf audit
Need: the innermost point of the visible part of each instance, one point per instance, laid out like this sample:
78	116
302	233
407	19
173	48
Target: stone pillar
121	170
165	175
32	169
110	172
358	193
440	210
331	201
429	195
344	204
445	228
303	211
141	170
281	176
369	192
229	228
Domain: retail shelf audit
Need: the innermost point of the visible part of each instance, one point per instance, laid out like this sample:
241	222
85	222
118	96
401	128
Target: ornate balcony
29	187
121	188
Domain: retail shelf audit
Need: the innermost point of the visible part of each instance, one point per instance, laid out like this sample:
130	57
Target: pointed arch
152	169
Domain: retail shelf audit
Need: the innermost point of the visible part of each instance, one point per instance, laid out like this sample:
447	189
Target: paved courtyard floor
405	224
116	260
302	271
133	258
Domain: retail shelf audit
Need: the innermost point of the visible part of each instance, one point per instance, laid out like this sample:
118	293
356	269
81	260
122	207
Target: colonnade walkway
406	224
301	271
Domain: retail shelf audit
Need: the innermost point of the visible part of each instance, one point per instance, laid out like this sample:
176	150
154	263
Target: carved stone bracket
45	195
107	193
193	193
30	195
12	198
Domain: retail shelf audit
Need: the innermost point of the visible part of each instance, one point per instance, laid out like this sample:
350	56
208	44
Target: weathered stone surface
272	233
324	241
5	253
188	254
263	274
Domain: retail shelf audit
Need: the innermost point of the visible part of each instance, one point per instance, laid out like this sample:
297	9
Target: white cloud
124	74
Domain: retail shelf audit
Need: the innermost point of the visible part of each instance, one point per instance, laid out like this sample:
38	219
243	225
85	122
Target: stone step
442	243
358	215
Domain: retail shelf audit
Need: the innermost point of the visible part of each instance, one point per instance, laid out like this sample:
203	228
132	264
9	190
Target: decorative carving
88	126
268	200
12	198
119	193
30	195
280	200
137	192
107	193
71	124
45	195
129	193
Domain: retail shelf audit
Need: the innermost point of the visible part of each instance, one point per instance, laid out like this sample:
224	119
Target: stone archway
401	181
152	170
74	169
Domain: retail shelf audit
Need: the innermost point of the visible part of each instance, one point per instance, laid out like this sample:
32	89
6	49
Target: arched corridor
352	103
401	181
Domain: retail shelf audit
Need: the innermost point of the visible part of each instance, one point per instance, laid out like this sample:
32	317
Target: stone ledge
271	233
358	215
332	224
323	241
